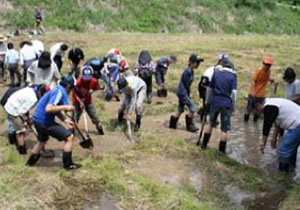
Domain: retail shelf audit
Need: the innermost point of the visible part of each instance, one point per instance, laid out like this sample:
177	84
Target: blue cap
87	73
122	83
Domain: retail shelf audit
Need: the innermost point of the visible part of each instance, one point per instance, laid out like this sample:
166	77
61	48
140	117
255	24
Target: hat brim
3	39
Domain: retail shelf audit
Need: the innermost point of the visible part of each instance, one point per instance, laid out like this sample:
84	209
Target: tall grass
229	16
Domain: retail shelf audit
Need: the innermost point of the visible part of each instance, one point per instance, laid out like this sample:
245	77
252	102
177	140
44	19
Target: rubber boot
159	93
149	98
33	159
222	146
12	138
205	141
22	149
190	126
164	93
173	122
120	117
68	163
246	117
294	160
100	129
255	117
284	167
137	123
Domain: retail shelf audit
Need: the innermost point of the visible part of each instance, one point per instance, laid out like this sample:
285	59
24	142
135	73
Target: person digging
82	97
135	92
162	67
183	94
17	103
221	97
53	104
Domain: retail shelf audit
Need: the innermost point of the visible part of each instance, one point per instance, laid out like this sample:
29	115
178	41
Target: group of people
41	86
44	87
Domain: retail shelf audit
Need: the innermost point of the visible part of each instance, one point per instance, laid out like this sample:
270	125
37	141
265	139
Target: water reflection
244	145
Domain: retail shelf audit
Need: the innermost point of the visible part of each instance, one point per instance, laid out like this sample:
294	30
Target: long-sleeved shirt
135	84
283	112
21	102
223	88
260	80
149	66
38	47
162	65
12	57
185	82
56	50
49	76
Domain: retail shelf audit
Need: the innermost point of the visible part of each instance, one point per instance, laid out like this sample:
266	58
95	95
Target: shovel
86	141
129	132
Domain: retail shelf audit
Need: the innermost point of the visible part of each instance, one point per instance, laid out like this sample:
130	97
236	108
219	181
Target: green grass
229	16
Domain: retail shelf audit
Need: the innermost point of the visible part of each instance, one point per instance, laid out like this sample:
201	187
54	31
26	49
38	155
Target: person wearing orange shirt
260	78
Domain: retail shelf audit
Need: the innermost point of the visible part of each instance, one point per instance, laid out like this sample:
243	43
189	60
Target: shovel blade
87	143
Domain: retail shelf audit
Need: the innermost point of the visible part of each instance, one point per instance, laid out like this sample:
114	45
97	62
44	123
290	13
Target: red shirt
83	89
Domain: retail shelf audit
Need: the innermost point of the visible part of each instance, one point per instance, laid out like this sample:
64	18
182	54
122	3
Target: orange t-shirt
260	80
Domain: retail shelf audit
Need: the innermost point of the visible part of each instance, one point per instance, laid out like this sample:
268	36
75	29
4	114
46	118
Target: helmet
69	80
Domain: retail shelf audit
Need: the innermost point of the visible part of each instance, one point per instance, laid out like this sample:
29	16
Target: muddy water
244	143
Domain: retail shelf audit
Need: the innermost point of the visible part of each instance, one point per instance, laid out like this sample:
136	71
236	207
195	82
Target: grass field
163	171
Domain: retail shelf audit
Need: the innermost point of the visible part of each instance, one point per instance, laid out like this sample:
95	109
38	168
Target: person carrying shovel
82	97
221	97
53	104
135	92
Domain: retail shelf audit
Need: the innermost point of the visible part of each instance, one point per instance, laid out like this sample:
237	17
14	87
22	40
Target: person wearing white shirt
43	71
27	56
57	54
17	105
12	63
38	47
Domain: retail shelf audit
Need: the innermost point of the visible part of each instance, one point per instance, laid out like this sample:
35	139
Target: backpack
144	61
8	93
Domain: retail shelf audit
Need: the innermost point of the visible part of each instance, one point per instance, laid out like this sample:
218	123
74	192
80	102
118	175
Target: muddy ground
164	170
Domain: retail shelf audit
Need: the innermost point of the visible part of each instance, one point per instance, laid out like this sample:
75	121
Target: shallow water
244	144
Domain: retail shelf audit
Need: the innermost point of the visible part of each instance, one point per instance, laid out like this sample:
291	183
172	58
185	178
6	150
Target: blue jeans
109	88
289	145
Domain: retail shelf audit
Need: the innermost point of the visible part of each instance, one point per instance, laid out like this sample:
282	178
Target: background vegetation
226	16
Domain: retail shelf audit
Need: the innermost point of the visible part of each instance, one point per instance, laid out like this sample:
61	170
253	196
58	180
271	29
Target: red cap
124	65
268	60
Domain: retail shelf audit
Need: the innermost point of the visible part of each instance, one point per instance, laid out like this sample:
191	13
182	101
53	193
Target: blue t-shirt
57	96
222	84
185	82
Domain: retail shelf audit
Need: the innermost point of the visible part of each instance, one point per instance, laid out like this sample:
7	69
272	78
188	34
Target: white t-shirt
21	102
55	50
289	112
49	76
38	46
27	52
209	72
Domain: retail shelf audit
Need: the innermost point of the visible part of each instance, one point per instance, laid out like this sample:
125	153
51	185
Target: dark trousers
148	81
13	70
58	60
2	67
